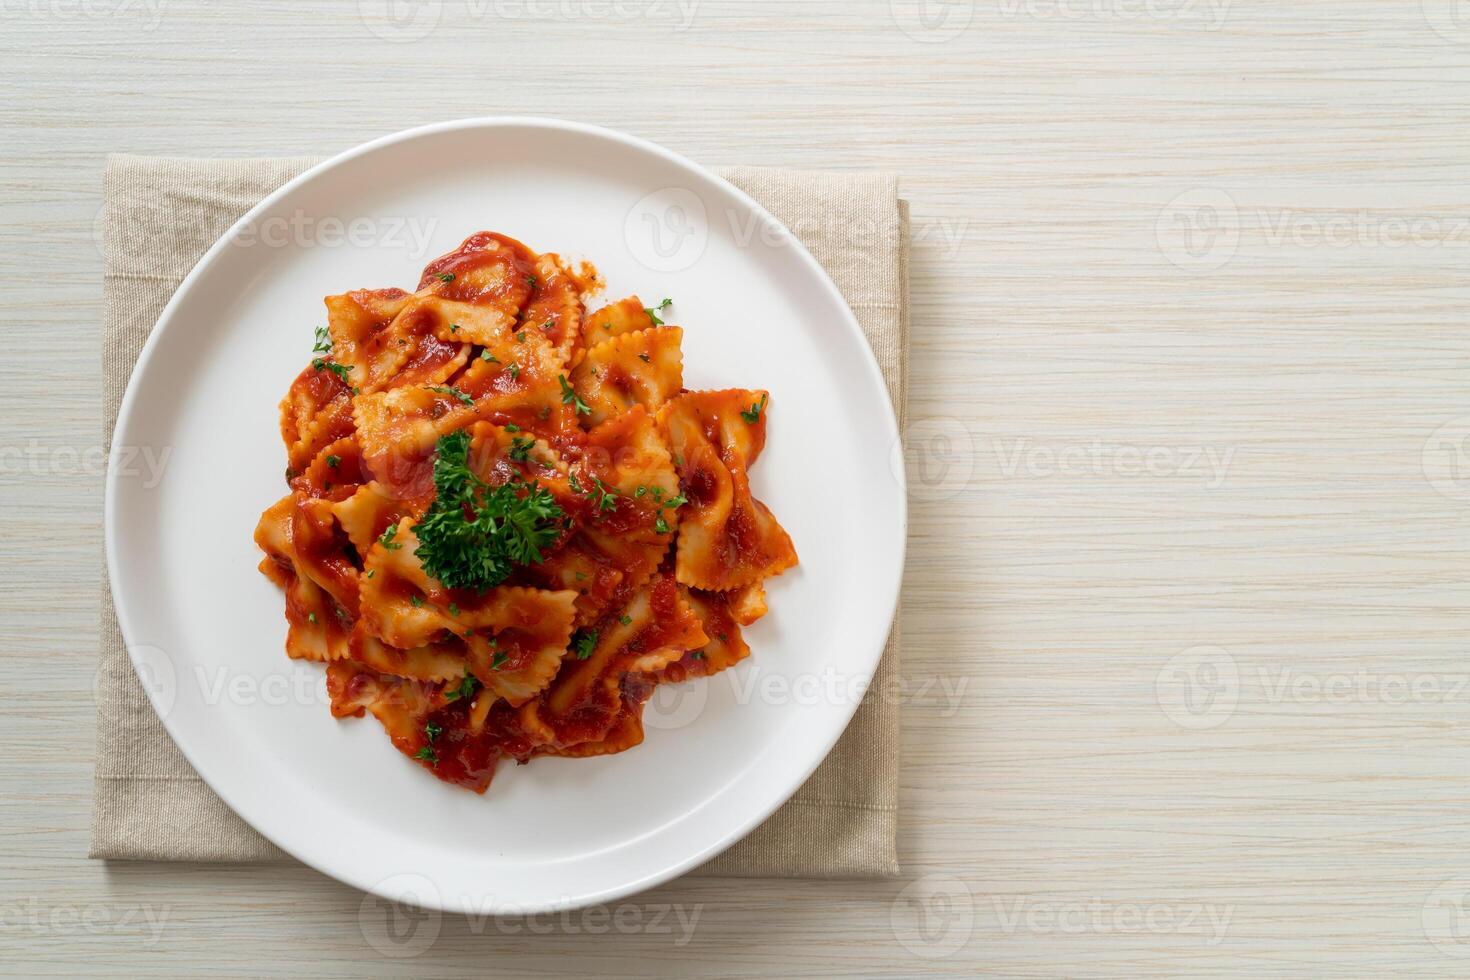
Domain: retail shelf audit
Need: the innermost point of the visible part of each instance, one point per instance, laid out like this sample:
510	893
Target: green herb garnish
465	689
323	343
754	415
584	643
654	311
427	754
387	539
569	396
605	498
473	533
340	370
452	392
520	448
446	277
333	460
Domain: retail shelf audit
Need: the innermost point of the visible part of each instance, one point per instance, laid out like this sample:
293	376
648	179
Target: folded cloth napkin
162	213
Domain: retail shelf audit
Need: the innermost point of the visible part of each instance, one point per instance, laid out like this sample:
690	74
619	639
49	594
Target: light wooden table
1188	598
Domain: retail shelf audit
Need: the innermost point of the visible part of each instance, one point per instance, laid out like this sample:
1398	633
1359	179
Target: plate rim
891	585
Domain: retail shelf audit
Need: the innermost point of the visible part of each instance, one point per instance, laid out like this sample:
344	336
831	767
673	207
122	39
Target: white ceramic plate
205	629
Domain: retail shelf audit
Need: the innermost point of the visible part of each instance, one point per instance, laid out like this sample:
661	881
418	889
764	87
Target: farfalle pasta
507	521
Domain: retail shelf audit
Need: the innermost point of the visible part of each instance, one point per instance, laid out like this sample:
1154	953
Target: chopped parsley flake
754	415
465	689
333	460
323	343
569	396
626	620
387	539
446	277
654	311
660	526
416	601
433	731
340	370
427	754
452	392
584	643
520	448
499	661
485	355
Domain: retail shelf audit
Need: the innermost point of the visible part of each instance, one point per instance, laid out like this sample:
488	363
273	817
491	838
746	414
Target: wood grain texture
1186	605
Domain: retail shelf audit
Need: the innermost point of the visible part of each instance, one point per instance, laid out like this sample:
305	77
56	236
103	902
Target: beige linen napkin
163	213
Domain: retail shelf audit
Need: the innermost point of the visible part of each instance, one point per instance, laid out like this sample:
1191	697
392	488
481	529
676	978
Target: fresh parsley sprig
473	534
654	311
